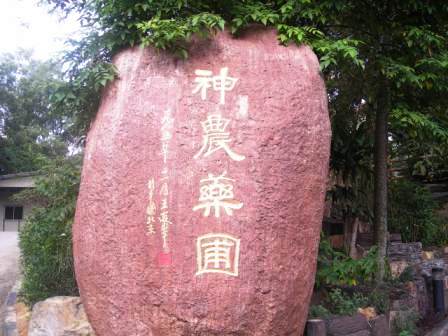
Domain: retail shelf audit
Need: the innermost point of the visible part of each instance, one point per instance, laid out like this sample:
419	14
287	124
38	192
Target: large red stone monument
202	191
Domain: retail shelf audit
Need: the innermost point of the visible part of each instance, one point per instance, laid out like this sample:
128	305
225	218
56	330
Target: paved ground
440	330
9	267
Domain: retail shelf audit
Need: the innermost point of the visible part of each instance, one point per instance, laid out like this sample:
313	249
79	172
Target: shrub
340	303
46	238
378	298
318	311
405	323
337	269
412	213
345	304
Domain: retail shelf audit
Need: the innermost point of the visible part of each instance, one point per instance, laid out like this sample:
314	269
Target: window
14	212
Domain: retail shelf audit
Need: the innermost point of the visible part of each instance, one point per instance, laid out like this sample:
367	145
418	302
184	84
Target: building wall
6	200
18	182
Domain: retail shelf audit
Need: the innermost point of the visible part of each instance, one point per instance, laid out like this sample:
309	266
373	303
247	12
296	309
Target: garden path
9	267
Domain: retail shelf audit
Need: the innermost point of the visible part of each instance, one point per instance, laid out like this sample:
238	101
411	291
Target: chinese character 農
215	138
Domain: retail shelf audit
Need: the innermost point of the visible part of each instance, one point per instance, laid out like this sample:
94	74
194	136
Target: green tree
29	131
412	214
393	52
46	239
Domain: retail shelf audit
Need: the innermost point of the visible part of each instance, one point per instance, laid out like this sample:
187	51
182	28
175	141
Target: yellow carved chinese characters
164	227
151	209
216	192
222	83
215	138
218	253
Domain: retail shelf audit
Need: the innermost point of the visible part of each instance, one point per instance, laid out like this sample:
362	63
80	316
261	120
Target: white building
12	212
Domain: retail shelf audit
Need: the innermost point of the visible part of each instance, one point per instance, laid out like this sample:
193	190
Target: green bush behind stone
412	213
46	238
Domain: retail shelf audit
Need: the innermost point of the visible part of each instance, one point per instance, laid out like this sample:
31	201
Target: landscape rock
380	326
409	252
397	267
428	255
59	316
360	333
369	312
23	315
347	325
316	327
202	191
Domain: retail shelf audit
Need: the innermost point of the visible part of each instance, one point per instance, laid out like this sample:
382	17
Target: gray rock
410	252
360	333
316	327
346	325
380	326
59	316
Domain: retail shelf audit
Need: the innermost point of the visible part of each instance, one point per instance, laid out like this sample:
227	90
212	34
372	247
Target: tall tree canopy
385	63
30	132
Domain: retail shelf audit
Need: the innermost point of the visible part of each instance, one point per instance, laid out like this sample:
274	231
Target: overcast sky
24	24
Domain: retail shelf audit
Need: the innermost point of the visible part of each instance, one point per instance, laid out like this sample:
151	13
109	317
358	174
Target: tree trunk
353	252
381	177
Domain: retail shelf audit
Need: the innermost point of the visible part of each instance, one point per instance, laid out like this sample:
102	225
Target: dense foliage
46	239
362	45
114	25
29	132
335	268
412	214
339	303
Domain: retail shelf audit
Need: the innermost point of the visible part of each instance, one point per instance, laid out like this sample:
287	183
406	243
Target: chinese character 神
217	192
221	83
215	137
218	253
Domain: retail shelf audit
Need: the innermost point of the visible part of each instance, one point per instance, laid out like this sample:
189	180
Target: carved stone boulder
203	191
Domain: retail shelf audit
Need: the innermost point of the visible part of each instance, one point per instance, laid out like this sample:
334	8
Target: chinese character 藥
217	253
216	192
221	83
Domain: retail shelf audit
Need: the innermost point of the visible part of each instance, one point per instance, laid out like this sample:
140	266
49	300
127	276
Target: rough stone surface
360	333
410	252
427	266
441	329
278	120
397	267
316	327
59	316
380	326
23	314
346	325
